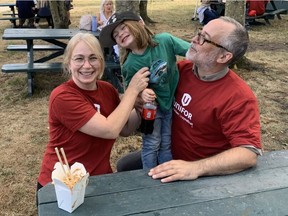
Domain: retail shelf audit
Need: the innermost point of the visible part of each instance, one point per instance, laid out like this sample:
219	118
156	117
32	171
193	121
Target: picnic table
261	190
9	16
56	42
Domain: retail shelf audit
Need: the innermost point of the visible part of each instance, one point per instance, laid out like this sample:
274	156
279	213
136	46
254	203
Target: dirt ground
24	127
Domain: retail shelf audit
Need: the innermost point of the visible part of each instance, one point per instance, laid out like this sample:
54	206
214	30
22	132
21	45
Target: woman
85	113
106	10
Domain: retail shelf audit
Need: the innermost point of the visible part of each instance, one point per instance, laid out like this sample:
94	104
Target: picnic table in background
261	190
11	16
56	42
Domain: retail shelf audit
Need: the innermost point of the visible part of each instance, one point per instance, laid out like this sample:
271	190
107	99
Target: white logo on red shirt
186	99
97	106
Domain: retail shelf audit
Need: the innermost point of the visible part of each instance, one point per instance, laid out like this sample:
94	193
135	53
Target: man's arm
228	162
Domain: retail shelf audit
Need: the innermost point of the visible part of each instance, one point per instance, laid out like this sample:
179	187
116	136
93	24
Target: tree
59	13
138	7
236	9
143	12
125	5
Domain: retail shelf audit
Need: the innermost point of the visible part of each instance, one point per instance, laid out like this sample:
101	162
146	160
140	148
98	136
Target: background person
206	13
106	11
44	12
82	119
141	49
26	11
256	7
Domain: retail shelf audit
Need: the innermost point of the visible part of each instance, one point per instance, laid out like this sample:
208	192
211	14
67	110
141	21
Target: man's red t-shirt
210	117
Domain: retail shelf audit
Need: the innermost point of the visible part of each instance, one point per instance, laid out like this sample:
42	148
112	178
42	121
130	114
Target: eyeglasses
80	60
201	40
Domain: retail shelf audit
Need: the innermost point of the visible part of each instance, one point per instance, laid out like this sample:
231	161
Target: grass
24	126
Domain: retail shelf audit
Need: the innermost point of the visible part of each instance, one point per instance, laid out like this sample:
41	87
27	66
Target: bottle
94	23
148	117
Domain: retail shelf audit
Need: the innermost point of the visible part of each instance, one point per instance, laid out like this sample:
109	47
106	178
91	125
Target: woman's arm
110	127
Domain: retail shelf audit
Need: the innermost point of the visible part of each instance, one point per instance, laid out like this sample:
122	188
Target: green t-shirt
167	49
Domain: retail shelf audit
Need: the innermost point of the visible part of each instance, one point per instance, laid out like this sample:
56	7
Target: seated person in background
206	13
256	7
44	12
216	120
26	10
106	10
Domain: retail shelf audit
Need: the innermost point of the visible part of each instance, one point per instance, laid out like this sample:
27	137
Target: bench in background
35	47
56	67
11	19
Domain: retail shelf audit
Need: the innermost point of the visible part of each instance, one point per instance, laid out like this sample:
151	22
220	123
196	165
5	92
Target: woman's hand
140	80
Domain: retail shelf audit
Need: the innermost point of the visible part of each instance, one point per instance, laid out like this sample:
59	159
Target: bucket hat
106	39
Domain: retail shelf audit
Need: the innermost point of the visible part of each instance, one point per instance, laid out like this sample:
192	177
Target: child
142	48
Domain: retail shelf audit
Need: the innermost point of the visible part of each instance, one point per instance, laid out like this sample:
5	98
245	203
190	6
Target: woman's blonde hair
142	34
103	3
92	42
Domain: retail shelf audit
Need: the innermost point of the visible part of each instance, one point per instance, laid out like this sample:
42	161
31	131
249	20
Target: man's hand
230	161
175	170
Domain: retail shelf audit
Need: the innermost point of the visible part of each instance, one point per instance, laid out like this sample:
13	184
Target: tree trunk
236	9
59	14
143	12
125	5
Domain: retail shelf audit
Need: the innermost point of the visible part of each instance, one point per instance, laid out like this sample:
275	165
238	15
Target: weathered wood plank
124	193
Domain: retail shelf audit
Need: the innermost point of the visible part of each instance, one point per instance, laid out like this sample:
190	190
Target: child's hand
148	95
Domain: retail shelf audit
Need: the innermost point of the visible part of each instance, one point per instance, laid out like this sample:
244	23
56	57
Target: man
215	125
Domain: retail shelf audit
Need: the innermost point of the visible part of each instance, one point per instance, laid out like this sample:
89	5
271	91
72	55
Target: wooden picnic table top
262	190
7	4
34	34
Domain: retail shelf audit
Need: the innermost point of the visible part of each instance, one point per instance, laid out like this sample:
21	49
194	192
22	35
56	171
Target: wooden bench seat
52	67
35	47
36	67
11	19
9	14
31	70
278	12
45	67
266	16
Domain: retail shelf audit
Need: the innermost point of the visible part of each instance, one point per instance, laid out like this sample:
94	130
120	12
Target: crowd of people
207	121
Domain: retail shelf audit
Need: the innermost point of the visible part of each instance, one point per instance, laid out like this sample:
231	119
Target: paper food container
70	194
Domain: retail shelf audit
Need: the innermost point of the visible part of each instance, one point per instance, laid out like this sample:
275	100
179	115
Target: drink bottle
94	23
148	117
